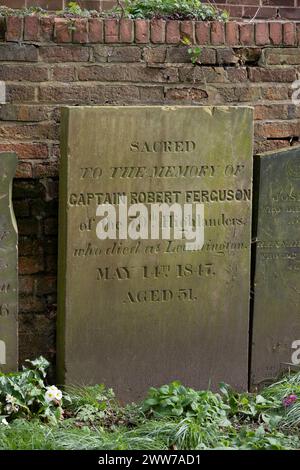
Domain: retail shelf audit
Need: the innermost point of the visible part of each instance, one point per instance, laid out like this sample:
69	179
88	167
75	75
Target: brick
45	169
126	30
96	30
63	30
249	55
64	94
29	304
267	145
217	33
173	32
276	33
232	33
233	10
115	94
14	28
25	112
208	56
226	55
26	284
22	72
31	28
279	129
246	34
158	31
271	111
260	13
238	94
125	54
178	54
152	94
55	4
275	92
237	74
72	53
281	56
64	73
142	31
13	131
156	54
190	95
16	93
111	31
26	150
289	34
80	31
298	33
191	74
50	226
24	170
262	34
202	32
135	73
290	13
272	75
46	28
104	73
18	53
279	2
187	29
45	285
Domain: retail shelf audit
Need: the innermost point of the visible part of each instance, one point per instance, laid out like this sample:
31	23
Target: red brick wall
46	65
261	9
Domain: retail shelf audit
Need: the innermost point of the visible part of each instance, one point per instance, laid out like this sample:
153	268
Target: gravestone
8	267
276	311
135	313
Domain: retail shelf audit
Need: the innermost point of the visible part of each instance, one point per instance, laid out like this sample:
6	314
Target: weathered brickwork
46	64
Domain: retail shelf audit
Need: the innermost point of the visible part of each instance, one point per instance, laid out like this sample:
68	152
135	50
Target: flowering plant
24	394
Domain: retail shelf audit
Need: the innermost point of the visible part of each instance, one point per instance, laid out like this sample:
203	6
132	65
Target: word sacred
166	146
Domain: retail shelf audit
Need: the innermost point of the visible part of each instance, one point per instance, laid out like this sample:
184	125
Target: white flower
58	395
53	393
9	398
3	421
49	396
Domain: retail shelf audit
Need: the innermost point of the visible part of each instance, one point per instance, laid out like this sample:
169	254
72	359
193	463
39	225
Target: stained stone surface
141	313
8	267
276	314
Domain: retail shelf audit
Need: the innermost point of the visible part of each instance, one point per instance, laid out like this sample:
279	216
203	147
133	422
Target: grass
171	417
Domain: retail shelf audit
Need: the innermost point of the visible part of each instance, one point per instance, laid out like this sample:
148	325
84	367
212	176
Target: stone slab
141	313
8	267
276	311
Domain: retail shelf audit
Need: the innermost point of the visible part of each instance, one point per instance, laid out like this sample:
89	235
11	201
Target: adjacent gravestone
276	313
8	267
135	313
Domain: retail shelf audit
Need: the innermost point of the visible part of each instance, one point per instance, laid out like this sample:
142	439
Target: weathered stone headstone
144	312
276	312
8	267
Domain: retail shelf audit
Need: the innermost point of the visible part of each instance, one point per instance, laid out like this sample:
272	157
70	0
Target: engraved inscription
147	310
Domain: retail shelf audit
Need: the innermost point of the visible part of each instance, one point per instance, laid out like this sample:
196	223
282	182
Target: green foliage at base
35	415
